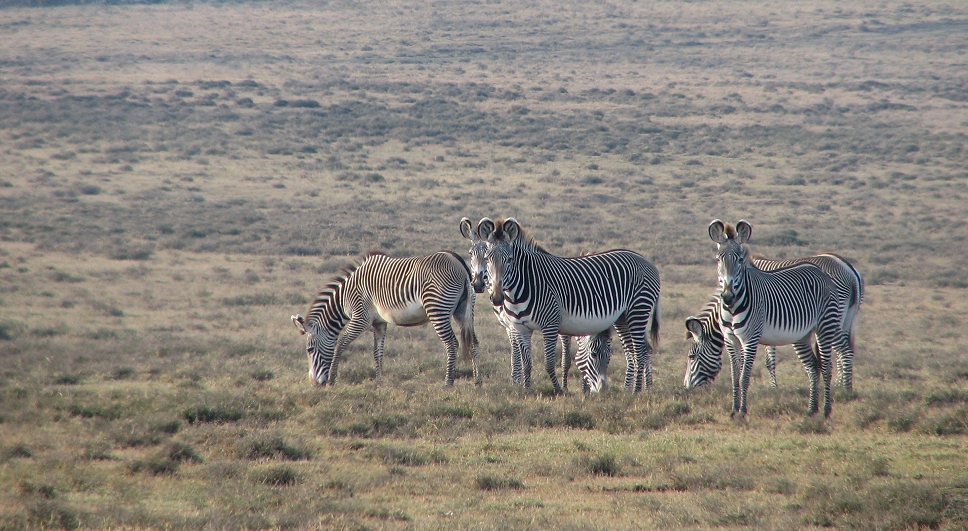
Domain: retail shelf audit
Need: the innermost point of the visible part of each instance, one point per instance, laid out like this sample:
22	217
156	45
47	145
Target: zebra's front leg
732	347
353	329
771	364
550	336
749	354
379	339
517	369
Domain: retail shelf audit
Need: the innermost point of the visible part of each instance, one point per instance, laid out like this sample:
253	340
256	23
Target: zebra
377	290
574	296
849	290
788	305
479	280
592	359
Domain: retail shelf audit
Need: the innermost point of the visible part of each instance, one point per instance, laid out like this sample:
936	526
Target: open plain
178	178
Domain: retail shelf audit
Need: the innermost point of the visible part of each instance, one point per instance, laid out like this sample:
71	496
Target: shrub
277	476
262	446
579	420
601	465
488	482
211	414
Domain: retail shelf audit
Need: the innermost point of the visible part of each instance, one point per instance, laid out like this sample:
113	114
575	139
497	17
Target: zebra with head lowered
574	296
379	290
591	349
849	291
790	305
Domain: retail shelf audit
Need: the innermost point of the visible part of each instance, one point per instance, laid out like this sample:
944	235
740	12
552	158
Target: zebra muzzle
497	298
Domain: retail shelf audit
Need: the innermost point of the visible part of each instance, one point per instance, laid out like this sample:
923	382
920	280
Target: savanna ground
177	179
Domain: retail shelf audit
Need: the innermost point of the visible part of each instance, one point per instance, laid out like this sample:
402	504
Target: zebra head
499	256
705	353
322	327
733	257
592	358
478	250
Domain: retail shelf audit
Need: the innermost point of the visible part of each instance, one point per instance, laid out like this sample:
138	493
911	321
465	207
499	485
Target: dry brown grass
177	179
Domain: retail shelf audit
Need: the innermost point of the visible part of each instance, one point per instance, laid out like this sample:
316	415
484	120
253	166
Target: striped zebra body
849	291
781	307
520	367
379	290
575	296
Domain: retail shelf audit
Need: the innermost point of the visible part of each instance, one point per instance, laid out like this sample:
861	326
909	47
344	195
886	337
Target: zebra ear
694	326
484	228
512	229
717	231
467	228
744	230
300	323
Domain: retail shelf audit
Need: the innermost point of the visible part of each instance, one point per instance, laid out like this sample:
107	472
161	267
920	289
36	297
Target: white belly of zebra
576	325
410	315
777	337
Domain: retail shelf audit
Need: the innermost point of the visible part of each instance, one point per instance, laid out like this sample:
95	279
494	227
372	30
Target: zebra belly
778	337
576	325
410	315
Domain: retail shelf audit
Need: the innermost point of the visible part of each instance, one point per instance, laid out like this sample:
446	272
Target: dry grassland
177	179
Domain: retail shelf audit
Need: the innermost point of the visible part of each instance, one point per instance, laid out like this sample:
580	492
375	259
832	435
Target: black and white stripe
849	291
479	280
781	307
574	296
379	290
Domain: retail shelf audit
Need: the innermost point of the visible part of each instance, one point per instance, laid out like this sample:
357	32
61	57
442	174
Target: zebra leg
353	329
551	343
523	337
565	360
748	354
826	370
517	370
637	320
445	332
379	339
845	363
808	357
628	348
732	347
771	364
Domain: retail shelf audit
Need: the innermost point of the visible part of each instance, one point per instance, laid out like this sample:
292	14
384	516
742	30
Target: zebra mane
729	230
331	287
525	239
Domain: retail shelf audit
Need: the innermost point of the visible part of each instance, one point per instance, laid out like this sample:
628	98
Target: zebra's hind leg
811	364
445	332
628	348
379	340
565	360
771	364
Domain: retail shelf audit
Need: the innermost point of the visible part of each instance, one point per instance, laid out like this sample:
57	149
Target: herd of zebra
811	303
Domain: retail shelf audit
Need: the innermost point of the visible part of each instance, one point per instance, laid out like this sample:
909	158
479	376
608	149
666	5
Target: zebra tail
654	332
467	336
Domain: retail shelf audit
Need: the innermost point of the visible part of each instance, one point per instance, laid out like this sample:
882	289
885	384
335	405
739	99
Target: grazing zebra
379	290
594	354
849	291
786	306
574	296
479	279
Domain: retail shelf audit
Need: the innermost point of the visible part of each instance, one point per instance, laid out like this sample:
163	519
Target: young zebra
786	306
379	290
575	296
